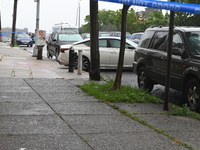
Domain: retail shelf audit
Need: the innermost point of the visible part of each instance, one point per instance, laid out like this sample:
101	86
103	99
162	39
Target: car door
157	55
54	43
51	43
115	50
177	62
104	51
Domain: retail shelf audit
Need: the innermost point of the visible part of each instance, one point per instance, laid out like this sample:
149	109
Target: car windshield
70	37
193	39
23	36
71	29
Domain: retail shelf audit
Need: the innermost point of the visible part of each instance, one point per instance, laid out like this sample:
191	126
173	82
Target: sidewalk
49	112
19	63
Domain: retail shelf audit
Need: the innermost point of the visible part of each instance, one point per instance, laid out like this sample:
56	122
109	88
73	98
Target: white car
109	48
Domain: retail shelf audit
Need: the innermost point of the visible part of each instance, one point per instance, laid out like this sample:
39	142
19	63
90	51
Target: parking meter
40	42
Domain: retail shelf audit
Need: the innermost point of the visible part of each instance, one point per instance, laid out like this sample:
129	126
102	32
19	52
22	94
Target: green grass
125	94
183	111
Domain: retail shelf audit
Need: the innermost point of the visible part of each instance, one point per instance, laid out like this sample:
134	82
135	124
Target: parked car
104	33
23	39
85	35
136	37
58	38
150	63
6	39
118	34
109	48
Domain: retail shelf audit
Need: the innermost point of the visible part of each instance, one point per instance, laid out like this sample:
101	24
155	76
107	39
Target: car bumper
24	43
135	67
62	59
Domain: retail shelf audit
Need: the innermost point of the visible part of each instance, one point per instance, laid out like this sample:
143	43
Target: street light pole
0	26
14	23
78	14
35	50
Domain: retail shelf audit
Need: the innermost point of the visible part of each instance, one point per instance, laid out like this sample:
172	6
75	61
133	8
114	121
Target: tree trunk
94	71
118	77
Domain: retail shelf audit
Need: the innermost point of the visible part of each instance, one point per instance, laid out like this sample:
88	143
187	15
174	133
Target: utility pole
169	59
0	26
35	50
14	23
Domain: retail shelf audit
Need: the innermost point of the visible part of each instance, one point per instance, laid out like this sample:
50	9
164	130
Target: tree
187	19
118	77
94	71
157	18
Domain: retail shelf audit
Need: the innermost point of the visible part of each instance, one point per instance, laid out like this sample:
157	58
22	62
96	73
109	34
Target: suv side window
146	38
54	36
177	41
158	41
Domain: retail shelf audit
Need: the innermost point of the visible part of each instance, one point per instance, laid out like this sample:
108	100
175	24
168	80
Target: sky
51	12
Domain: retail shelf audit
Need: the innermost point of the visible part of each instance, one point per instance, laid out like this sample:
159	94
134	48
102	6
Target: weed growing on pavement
183	111
124	112
126	94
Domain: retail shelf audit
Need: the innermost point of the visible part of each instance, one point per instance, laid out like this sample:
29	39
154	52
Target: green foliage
183	111
157	18
110	20
127	94
187	19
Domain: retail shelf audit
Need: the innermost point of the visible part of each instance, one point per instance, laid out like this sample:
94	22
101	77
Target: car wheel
31	45
192	94
85	63
27	45
143	80
48	53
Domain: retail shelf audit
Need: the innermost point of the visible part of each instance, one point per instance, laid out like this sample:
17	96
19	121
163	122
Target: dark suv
150	61
58	38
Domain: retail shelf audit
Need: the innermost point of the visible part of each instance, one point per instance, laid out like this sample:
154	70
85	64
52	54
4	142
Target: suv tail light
63	49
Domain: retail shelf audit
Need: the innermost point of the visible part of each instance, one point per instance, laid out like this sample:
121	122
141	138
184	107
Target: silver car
109	48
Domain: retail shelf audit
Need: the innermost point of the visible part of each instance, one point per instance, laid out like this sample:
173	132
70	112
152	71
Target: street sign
40	38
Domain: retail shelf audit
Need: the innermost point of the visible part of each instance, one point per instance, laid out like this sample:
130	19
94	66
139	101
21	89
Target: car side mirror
176	51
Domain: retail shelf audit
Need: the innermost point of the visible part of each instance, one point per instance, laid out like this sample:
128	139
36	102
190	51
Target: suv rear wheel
143	80
192	94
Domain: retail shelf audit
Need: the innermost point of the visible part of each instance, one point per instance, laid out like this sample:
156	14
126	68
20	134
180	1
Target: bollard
72	54
80	62
39	54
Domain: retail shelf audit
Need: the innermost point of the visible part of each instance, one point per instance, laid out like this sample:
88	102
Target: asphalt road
129	78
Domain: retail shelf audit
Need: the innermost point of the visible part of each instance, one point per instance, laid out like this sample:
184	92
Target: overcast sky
51	12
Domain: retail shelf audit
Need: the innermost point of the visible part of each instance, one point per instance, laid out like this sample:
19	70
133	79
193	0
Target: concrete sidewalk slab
49	111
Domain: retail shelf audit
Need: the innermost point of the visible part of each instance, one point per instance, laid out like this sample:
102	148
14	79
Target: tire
85	63
143	80
192	94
